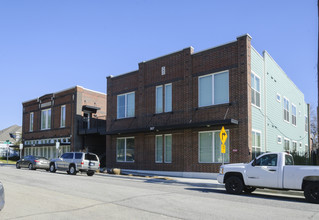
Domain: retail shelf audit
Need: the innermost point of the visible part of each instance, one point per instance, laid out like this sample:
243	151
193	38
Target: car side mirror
254	162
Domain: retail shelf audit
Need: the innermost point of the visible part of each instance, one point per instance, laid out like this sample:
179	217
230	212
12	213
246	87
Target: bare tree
313	126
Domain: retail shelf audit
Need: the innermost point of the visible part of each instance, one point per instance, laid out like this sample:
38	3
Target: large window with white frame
256	143
255	90
286	109
125	149
46	119
286	145
31	121
168	98
294	146
163	98
62	121
210	147
213	89
126	105
293	115
163	148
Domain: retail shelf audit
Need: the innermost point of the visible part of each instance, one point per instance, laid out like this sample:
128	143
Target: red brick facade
187	119
73	99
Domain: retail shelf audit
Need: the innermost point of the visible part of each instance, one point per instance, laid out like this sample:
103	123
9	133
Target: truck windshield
289	160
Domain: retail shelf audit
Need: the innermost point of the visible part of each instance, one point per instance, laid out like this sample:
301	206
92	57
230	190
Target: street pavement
43	195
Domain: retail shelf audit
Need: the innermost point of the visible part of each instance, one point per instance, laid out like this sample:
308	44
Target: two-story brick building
74	117
167	115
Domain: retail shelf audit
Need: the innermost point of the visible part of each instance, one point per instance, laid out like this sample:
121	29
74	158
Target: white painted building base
198	175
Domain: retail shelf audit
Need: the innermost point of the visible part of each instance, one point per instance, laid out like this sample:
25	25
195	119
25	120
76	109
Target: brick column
244	72
188	105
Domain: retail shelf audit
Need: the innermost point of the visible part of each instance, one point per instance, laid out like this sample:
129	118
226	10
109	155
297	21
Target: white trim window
163	142
279	140
306	124
286	145
168	98
166	103
125	149
293	115
278	97
286	109
159	99
126	105
62	121
46	119
213	89
209	147
256	143
255	90
31	121
294	146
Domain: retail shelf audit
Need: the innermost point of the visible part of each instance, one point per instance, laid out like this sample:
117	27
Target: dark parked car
1	196
33	162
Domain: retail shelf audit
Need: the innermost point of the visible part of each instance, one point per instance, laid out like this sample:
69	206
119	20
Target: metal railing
92	126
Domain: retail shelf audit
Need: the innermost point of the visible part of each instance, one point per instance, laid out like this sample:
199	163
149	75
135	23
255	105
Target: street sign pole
223	159
7	153
21	148
7	143
57	145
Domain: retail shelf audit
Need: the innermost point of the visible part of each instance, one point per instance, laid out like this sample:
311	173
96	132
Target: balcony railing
92	126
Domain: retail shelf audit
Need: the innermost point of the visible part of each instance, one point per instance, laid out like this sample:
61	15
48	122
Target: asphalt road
43	195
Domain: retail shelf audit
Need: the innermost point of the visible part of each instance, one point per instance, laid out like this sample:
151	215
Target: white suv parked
73	162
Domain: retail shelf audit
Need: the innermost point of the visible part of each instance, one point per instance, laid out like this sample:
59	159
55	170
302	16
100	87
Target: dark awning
175	127
90	108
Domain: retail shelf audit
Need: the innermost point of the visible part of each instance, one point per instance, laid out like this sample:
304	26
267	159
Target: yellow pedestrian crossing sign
223	135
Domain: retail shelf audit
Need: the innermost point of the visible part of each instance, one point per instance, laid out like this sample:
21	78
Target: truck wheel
18	166
72	170
311	192
234	185
249	189
52	168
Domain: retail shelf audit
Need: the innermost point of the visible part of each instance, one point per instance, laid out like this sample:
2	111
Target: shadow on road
205	190
193	184
259	194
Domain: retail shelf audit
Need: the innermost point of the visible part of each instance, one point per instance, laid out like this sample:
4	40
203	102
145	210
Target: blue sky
48	46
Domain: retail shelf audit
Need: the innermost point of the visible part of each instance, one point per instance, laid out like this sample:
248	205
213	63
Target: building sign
46	104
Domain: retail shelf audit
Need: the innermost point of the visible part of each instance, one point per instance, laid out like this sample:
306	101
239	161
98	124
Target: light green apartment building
280	115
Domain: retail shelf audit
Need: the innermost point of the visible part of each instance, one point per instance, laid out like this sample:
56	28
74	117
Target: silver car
1	196
73	162
33	163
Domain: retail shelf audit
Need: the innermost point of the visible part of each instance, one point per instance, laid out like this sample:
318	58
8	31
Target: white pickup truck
271	170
